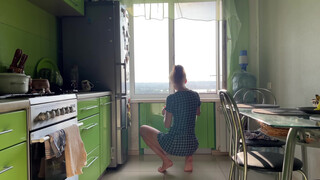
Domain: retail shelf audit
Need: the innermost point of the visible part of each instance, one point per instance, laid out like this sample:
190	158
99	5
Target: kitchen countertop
92	94
7	105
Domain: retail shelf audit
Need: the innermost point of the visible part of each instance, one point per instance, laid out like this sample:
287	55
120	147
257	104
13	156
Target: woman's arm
167	119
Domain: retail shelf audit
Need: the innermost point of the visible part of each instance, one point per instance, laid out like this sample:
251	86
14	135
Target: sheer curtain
157	9
218	10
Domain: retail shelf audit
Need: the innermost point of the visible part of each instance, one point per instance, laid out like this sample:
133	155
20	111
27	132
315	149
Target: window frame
220	57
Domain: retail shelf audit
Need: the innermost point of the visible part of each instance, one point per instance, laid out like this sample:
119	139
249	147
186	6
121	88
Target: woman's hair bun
178	74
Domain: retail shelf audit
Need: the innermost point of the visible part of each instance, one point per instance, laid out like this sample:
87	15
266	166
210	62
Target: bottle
74	77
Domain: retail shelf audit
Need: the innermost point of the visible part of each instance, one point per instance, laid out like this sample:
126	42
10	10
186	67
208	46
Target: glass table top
280	121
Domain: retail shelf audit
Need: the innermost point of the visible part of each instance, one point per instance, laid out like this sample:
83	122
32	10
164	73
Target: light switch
269	85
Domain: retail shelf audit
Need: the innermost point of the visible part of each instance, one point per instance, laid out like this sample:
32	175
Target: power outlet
269	85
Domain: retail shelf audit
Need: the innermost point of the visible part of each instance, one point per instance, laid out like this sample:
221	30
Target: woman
182	106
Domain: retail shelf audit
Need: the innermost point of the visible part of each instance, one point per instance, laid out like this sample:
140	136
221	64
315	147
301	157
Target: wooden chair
241	158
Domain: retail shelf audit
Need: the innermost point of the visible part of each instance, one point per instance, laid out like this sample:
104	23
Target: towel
75	154
54	147
258	135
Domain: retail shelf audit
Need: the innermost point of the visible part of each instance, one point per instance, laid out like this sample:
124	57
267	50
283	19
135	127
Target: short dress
181	139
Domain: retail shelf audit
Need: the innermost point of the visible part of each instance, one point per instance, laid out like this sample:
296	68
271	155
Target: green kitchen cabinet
13	146
205	126
89	132
13	162
61	7
92	169
13	128
105	133
77	5
150	114
88	107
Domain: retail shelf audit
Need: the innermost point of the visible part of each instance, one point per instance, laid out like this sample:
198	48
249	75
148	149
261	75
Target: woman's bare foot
188	164
165	165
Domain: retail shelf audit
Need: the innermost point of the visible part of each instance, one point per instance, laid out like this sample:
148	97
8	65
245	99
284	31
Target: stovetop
36	94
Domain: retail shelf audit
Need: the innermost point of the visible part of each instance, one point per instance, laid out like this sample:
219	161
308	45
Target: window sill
163	100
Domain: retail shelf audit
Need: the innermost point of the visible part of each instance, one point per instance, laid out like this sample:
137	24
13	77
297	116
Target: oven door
52	169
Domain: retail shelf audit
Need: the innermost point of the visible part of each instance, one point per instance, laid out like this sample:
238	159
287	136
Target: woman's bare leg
188	164
149	135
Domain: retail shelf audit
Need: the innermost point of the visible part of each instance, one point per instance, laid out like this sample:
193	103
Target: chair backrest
235	126
254	96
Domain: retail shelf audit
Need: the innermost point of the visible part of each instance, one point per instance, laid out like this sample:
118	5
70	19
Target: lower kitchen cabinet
89	132
150	114
95	113
105	133
205	126
92	170
13	162
13	128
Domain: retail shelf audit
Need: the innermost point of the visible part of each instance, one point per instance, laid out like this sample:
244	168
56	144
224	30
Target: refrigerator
98	46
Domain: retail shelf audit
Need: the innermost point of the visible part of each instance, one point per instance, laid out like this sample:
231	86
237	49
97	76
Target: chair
257	96
241	158
254	96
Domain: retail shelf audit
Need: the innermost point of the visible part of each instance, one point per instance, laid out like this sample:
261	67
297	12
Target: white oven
47	115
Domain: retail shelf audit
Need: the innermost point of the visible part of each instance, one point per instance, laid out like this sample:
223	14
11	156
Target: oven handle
6	169
42	140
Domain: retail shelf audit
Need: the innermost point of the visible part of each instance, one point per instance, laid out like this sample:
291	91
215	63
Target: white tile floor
204	167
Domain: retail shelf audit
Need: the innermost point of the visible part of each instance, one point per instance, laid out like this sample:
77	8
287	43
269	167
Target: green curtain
236	14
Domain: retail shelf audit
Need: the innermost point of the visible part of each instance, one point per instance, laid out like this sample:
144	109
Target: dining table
298	126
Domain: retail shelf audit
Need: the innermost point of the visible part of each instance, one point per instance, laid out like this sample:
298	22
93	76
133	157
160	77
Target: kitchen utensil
14	83
309	110
22	62
86	85
41	84
46	63
16	58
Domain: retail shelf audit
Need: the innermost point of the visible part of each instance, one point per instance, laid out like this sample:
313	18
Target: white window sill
163	100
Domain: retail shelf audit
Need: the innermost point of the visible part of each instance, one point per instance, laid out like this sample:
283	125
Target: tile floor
204	167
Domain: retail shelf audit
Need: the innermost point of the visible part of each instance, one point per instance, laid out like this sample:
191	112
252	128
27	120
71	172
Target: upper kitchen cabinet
61	7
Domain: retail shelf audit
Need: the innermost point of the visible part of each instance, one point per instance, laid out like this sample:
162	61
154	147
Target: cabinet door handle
88	108
89	127
105	104
92	162
7	131
6	169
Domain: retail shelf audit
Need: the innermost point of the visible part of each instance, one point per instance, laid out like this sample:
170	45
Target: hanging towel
75	154
54	147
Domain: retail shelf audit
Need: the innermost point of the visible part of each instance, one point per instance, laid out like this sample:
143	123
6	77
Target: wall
287	48
25	26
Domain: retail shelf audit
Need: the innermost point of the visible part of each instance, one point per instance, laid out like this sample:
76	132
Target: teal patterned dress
181	139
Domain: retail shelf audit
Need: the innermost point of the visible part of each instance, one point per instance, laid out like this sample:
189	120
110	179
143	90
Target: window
151	56
161	43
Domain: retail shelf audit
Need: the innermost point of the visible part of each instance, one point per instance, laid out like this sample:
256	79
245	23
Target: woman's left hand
164	111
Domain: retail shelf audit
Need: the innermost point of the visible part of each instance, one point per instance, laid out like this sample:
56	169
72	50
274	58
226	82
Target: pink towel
75	154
